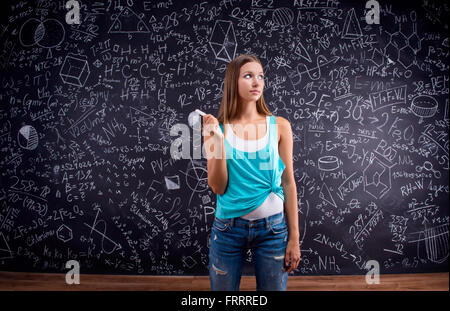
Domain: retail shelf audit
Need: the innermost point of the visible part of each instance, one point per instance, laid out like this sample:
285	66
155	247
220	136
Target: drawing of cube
223	40
75	71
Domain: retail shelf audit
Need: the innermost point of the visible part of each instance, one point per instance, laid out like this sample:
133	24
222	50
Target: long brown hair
229	107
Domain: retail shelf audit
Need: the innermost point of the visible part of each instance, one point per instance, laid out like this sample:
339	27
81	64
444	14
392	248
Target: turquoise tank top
252	176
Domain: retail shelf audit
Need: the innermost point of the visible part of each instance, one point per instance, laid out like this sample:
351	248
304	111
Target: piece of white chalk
216	129
200	112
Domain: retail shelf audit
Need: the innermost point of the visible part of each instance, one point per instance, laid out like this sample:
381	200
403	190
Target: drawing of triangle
128	22
172	182
5	251
230	36
115	27
301	51
138	115
223	54
326	195
351	29
142	27
216	47
263	55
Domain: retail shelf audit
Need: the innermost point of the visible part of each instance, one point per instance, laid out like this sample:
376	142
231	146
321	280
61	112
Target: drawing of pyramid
128	22
301	51
223	40
351	29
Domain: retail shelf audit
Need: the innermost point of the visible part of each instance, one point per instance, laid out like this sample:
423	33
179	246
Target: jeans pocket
278	227
221	224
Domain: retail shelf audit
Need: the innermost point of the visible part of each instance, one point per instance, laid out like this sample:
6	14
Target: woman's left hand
292	257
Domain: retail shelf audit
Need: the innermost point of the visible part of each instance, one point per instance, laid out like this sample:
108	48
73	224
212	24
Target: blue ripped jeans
230	239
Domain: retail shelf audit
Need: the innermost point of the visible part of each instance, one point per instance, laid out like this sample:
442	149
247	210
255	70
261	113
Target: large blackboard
87	111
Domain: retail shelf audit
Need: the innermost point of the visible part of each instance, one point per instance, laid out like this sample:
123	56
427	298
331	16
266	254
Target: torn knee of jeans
218	271
281	257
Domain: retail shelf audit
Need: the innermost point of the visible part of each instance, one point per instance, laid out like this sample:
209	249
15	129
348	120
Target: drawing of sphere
283	16
47	34
424	106
28	137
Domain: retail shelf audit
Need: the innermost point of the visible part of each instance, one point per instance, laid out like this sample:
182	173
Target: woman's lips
254	92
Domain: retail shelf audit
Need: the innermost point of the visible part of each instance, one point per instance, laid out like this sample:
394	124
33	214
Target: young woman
250	169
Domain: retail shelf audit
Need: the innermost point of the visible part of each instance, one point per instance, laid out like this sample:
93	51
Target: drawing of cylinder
436	243
328	163
424	106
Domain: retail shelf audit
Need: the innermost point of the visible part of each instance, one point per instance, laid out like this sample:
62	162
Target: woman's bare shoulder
282	122
283	126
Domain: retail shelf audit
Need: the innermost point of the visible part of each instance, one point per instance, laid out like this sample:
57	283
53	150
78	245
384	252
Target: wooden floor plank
14	281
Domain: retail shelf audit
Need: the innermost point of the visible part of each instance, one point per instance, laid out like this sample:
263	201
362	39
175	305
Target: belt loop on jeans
232	222
266	220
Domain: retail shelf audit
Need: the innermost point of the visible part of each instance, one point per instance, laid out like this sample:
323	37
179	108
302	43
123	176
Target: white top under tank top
273	204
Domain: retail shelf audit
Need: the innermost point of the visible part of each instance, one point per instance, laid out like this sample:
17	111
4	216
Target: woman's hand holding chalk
216	128
200	112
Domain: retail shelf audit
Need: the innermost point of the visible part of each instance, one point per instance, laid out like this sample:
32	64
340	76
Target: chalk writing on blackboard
103	163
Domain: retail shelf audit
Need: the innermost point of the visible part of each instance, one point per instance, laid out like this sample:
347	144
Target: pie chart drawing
197	179
28	137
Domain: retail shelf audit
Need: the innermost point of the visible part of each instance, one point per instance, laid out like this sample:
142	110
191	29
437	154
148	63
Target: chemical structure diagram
402	47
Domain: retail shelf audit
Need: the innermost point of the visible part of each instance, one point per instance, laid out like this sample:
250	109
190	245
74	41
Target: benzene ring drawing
377	178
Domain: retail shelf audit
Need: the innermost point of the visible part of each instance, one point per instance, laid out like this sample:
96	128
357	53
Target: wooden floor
12	281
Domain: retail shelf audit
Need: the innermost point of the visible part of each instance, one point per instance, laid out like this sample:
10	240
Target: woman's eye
260	77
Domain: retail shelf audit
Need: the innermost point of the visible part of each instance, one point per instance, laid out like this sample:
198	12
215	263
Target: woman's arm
215	154
285	149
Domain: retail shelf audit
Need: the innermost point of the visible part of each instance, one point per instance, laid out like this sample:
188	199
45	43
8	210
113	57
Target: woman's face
250	82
